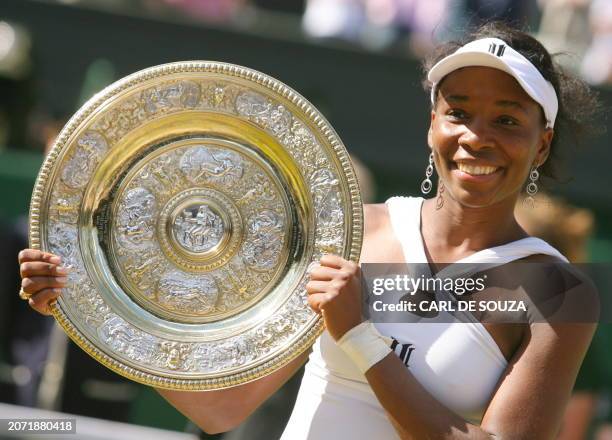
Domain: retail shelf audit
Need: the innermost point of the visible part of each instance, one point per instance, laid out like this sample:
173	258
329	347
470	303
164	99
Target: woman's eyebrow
512	104
507	103
456	98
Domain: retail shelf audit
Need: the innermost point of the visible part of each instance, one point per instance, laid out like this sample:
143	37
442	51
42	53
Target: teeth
476	171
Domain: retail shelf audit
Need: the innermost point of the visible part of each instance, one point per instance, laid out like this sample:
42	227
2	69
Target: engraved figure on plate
182	292
121	337
211	165
162	172
136	218
63	240
324	186
175	355
173	96
275	117
262	249
79	168
198	233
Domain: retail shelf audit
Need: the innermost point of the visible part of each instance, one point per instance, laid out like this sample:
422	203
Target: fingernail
62	270
55	260
61	279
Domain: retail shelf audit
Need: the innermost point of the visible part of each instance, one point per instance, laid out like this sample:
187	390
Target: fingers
322	273
33	285
317	287
336	262
317	294
38	255
42	277
318	301
40	268
327	279
327	273
332	261
41	302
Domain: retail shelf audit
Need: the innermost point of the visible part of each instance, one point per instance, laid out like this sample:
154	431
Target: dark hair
579	106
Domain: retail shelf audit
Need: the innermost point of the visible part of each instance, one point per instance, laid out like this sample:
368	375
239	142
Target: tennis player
500	107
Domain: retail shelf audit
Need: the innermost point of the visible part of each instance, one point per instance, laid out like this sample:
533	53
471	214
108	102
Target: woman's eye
505	120
456	114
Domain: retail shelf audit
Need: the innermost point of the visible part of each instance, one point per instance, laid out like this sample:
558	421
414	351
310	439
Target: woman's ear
429	132
544	148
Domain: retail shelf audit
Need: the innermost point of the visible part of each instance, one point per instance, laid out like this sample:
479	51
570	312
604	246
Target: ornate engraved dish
190	199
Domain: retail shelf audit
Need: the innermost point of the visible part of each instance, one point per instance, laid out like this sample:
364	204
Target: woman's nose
477	135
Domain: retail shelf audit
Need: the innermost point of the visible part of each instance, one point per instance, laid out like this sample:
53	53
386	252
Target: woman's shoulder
536	250
563	293
542	258
376	217
379	242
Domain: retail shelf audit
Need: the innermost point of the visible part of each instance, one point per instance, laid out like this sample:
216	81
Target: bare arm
528	403
223	410
531	396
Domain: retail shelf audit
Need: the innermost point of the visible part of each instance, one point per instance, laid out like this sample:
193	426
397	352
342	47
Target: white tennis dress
458	363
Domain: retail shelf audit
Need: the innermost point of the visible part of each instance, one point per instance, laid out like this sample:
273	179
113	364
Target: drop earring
532	187
426	185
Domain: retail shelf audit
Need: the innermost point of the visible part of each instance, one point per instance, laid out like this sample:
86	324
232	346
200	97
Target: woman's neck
455	231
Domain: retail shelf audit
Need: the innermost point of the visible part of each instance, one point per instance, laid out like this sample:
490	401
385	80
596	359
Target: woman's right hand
42	278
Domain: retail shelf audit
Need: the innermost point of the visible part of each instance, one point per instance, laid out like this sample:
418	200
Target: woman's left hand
334	290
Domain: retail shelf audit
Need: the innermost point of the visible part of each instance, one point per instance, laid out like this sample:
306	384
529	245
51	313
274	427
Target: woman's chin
471	198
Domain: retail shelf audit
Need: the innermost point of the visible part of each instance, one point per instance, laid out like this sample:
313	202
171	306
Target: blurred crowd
583	28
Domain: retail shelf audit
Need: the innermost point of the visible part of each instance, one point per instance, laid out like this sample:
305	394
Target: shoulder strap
506	253
405	217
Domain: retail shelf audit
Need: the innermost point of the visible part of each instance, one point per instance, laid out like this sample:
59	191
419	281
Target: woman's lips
475	178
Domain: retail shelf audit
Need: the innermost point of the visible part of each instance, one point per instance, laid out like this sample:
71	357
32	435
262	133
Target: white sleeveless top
458	363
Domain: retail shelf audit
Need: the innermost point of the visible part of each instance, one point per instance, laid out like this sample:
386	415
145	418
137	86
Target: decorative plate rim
352	251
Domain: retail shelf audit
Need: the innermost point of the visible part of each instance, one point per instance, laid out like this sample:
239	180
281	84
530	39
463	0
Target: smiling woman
577	110
486	135
500	106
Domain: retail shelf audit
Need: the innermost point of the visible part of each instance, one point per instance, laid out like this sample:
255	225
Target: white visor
495	53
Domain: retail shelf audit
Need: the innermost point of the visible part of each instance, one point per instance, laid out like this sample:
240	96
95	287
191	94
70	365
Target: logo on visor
497	49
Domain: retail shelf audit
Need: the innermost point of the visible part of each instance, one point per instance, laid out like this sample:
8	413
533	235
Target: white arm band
364	345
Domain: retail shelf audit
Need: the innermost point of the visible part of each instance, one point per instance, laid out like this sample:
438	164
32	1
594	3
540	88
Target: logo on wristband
405	350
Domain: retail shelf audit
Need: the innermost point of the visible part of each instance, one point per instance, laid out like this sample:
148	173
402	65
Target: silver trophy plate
189	200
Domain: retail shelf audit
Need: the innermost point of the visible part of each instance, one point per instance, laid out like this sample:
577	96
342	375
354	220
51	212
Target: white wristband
364	345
